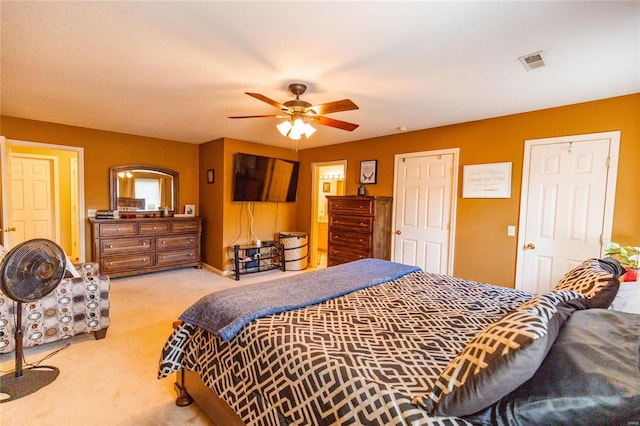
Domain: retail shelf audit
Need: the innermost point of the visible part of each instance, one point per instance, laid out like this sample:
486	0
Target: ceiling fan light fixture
309	130
284	128
296	129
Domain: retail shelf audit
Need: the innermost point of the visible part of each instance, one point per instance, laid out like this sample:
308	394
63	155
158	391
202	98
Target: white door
31	200
566	206
424	210
56	154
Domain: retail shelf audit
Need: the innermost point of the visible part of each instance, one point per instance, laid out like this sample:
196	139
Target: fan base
31	380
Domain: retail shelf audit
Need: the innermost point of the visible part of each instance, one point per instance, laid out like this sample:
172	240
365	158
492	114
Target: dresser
137	246
359	228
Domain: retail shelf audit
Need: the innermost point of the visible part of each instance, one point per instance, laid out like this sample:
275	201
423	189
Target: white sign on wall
487	180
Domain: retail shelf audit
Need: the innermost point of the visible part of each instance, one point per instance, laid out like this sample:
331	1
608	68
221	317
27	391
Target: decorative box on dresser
137	246
359	228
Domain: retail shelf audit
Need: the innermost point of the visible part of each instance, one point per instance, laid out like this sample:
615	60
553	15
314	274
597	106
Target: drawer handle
154	227
164	257
110	263
190	254
144	260
110	246
190	240
164	242
144	244
117	229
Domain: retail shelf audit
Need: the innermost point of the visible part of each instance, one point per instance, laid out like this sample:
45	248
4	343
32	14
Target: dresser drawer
185	226
352	239
351	206
343	254
176	257
125	245
169	242
118	229
154	227
351	223
117	264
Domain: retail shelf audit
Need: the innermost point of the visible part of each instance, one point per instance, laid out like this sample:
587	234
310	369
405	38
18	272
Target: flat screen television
258	178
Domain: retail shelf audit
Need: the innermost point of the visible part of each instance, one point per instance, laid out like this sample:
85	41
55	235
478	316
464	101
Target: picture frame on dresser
190	210
368	172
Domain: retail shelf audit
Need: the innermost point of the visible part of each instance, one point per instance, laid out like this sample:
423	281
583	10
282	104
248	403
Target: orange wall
230	222
103	150
483	252
481	224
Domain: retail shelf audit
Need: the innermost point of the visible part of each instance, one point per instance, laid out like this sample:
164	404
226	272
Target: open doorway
42	187
328	179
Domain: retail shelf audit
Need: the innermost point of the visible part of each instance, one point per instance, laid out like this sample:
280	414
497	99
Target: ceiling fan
297	109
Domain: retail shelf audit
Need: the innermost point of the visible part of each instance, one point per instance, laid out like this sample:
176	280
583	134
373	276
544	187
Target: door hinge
608	161
601	240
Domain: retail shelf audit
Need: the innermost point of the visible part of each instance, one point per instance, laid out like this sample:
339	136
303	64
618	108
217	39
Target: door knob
398	232
10	229
530	246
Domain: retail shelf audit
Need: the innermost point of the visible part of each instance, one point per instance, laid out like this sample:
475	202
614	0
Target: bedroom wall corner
268	219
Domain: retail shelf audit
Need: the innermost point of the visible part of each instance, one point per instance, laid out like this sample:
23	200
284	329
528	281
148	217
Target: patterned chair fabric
78	305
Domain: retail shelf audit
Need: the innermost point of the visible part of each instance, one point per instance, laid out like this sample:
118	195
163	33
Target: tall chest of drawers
136	246
359	228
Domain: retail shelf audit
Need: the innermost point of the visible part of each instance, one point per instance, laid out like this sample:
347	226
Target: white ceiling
177	70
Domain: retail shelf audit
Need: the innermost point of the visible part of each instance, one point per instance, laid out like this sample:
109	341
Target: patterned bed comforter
356	359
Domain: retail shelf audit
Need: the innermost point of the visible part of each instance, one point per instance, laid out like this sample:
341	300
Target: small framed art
210	175
190	210
368	171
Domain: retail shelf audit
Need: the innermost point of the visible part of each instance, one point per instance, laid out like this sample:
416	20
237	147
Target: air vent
533	61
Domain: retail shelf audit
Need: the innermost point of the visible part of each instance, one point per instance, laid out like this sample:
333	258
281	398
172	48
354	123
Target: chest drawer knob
164	242
110	246
144	244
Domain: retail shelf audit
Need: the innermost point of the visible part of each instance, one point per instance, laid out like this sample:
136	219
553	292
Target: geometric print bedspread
357	359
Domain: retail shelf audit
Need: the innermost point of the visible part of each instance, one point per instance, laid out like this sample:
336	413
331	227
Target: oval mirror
143	188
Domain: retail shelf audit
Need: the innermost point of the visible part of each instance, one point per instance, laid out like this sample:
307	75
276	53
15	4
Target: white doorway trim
315	195
80	220
454	197
612	173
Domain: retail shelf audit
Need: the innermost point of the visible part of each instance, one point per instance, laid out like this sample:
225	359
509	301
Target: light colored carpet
113	381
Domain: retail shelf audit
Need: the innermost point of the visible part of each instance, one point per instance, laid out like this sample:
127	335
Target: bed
376	342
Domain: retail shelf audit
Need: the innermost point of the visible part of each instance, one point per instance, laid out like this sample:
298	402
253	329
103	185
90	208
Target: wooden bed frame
190	388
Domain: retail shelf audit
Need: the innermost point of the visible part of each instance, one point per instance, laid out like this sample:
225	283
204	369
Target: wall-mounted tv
258	178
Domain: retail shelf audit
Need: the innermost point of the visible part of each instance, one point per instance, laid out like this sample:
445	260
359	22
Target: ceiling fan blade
326	121
255	116
331	107
270	101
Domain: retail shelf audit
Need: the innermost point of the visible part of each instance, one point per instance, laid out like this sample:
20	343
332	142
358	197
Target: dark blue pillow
589	377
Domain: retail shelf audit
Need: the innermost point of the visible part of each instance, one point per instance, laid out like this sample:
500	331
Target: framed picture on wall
326	186
368	171
492	180
210	175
